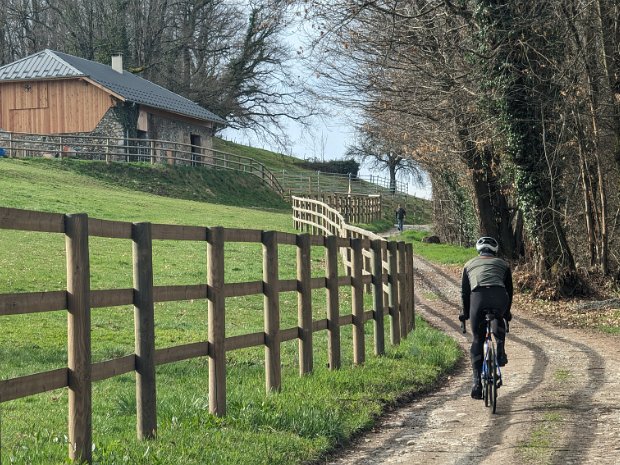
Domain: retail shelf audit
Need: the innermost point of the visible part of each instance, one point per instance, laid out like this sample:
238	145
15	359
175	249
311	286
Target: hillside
292	175
182	182
236	188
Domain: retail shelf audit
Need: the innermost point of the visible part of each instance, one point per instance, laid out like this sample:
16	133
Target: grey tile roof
49	64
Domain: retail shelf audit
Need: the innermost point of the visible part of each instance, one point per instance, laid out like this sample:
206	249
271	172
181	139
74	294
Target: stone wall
157	127
178	131
109	126
161	128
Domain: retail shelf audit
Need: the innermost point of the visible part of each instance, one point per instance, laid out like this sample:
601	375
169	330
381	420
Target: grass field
445	254
311	415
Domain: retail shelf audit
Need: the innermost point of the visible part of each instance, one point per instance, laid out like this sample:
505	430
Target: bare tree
383	155
229	57
408	67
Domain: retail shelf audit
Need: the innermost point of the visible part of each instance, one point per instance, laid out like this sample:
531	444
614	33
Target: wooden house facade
52	93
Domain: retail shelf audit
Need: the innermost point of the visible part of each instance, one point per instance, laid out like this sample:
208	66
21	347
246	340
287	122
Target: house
50	93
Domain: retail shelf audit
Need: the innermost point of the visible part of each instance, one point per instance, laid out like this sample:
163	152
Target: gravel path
560	403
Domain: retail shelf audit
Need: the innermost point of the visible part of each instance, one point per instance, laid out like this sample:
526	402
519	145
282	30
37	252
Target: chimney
117	63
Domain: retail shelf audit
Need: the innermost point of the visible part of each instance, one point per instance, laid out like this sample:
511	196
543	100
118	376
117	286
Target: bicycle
491	373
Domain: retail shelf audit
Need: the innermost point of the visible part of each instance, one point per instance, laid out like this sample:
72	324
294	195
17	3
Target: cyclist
486	284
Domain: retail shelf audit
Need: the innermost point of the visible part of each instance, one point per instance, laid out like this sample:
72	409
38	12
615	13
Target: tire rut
559	403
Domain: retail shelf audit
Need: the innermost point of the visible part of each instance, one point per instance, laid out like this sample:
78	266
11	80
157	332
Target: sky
328	137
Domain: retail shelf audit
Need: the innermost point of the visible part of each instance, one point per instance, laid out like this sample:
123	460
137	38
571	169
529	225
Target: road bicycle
491	373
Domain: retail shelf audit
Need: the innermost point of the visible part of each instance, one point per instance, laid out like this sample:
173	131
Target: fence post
144	324
368	269
359	347
271	302
333	304
11	154
78	338
377	283
393	292
217	320
403	296
304	303
411	287
107	151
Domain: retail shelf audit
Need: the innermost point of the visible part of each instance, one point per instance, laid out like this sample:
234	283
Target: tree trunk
611	64
524	89
492	206
392	168
586	186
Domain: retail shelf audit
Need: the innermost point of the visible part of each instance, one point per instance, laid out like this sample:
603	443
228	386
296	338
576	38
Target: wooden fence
318	217
354	208
108	149
298	182
390	279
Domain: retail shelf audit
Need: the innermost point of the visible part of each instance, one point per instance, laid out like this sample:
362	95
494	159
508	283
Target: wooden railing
354	208
312	182
390	279
319	218
87	147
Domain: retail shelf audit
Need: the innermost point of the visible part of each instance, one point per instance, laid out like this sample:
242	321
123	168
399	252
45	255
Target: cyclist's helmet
488	245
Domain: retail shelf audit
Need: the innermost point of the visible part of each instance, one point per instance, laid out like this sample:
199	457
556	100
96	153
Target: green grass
182	182
419	211
562	375
377	226
538	447
610	324
312	413
272	160
445	254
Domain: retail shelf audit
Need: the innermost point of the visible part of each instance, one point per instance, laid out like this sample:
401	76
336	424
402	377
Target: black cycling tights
480	300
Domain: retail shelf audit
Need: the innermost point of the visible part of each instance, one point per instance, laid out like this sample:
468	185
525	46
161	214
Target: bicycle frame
491	375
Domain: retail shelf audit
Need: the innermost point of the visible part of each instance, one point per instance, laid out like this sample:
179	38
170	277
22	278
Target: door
196	149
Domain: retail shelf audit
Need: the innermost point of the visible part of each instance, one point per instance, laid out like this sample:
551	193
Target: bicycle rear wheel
485	391
486	375
493	381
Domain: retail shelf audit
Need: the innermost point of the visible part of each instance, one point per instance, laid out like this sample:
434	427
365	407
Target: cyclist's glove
508	316
463	317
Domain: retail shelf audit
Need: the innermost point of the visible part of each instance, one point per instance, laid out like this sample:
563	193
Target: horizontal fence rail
390	279
109	149
318	217
304	183
354	208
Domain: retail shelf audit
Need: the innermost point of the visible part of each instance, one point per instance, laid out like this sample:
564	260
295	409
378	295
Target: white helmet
487	244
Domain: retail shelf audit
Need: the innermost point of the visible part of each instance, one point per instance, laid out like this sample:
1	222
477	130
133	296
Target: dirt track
560	403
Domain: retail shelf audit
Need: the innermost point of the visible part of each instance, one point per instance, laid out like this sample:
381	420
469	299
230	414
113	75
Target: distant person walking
400	217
